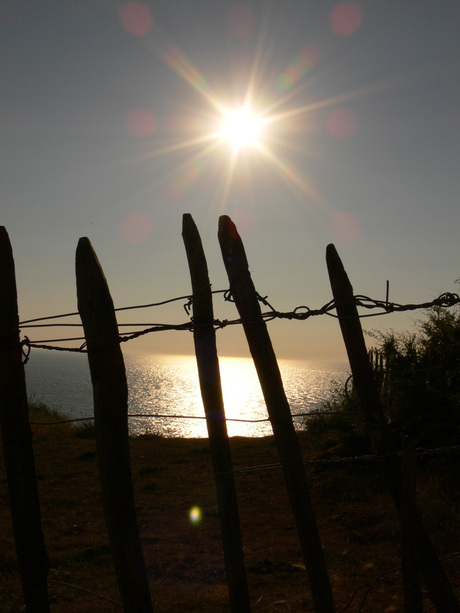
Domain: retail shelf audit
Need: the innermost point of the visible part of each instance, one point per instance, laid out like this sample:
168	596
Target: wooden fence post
17	442
436	581
110	393
245	296
211	391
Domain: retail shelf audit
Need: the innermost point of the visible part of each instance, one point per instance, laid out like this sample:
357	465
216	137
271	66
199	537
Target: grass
356	519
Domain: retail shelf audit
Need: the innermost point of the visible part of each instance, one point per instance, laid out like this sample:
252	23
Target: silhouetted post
110	393
245	296
436	581
413	602
17	443
211	391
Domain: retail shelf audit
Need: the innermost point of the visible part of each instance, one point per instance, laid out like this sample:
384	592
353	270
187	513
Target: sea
164	395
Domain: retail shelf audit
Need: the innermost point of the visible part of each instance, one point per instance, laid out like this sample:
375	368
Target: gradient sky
109	112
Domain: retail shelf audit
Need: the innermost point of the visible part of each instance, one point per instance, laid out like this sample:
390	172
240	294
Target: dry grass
357	523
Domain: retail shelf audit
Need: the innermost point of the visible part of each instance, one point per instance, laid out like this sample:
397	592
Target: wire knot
25	348
263	300
188	305
448	299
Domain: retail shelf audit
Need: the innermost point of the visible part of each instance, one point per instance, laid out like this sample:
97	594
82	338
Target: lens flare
136	228
346	18
274	131
136	18
140	123
241	22
195	515
341	123
176	59
345	227
307	59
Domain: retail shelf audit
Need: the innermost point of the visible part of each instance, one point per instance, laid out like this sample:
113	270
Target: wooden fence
111	432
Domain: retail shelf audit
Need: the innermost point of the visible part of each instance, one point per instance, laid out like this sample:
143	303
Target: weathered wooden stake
110	393
245	296
17	442
211	391
436	581
413	602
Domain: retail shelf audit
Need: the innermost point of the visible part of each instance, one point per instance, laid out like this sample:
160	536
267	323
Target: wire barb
25	347
299	313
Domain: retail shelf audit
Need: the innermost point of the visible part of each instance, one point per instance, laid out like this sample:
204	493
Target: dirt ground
356	519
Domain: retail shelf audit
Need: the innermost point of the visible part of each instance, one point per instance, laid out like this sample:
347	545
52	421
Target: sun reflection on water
168	386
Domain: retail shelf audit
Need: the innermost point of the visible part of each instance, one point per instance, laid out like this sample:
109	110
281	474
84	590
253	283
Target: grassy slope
357	523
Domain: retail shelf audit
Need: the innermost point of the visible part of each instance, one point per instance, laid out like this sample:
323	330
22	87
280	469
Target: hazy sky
110	115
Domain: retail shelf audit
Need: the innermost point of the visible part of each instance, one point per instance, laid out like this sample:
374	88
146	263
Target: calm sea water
168	386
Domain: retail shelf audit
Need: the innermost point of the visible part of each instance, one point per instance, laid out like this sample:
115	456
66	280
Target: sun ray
183	145
370	90
293	179
282	97
176	59
200	155
262	121
228	179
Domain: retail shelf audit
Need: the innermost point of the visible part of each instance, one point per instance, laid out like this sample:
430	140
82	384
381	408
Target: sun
241	128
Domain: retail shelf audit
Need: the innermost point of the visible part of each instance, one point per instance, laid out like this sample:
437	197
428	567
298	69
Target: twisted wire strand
299	313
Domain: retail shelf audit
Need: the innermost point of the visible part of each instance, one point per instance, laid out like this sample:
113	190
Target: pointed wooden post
436	581
110	392
211	391
17	442
245	296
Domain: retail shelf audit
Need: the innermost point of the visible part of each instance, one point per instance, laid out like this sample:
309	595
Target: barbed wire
299	313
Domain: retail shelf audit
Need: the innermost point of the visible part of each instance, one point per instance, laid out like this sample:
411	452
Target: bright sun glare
241	128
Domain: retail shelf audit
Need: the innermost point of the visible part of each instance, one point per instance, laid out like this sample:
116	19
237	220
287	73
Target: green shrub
41	412
338	429
419	389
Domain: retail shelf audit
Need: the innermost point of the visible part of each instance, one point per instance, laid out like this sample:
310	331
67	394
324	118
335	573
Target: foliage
338	429
41	412
419	388
42	416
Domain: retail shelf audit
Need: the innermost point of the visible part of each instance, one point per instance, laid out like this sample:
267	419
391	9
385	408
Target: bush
41	412
338	429
420	391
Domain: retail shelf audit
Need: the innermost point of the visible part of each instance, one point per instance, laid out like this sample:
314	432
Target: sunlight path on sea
168	385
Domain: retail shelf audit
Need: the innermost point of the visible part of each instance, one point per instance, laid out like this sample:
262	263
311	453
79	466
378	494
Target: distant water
168	386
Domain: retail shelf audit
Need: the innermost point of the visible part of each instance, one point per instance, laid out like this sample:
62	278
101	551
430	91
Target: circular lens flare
195	515
241	128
